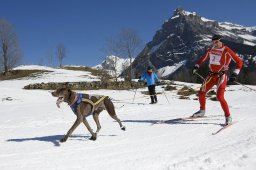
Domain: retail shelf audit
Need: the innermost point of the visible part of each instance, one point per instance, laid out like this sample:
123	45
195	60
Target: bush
186	91
170	88
15	74
94	72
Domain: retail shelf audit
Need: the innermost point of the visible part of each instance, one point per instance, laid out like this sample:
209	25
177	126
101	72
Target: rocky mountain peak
181	12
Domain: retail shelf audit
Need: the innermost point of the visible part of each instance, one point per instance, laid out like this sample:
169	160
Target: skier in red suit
219	57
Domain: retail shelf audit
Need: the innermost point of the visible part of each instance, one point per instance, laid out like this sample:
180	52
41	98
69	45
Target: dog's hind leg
119	121
96	119
94	135
111	111
73	127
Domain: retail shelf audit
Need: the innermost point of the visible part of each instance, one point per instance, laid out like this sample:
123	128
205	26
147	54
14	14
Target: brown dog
83	105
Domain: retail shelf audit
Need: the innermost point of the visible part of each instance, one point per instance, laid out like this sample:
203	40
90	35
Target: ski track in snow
31	126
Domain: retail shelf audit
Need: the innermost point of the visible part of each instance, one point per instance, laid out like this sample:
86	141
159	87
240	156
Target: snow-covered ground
31	126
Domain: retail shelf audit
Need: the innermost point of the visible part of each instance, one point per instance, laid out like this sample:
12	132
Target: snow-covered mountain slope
31	126
112	63
167	70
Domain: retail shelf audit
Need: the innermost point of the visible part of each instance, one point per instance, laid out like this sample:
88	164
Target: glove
140	80
232	78
195	69
157	83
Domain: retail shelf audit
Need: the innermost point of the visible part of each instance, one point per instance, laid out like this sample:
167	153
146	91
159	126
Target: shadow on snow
54	138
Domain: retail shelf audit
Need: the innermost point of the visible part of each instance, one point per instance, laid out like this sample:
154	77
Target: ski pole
121	106
245	86
165	96
134	95
199	76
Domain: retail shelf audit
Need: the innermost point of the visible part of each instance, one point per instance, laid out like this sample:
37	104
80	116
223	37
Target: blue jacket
151	80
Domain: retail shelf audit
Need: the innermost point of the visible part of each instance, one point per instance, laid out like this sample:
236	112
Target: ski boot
228	120
199	113
152	100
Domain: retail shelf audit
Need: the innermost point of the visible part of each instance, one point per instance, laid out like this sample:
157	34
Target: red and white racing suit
220	59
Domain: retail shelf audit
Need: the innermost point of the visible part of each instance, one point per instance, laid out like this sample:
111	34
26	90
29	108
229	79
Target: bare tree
61	53
111	49
129	44
10	54
50	57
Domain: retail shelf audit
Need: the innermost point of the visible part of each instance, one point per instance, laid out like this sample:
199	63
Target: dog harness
81	98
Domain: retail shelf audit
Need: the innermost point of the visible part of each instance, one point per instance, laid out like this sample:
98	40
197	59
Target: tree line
10	51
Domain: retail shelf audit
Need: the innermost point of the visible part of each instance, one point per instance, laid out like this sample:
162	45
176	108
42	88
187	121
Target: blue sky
83	25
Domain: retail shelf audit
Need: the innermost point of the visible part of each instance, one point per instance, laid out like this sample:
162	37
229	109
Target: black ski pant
152	93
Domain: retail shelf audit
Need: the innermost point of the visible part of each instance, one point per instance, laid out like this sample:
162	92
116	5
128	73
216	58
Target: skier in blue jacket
151	79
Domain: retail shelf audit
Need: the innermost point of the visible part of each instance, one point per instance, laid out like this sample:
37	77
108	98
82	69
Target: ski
192	118
223	128
158	122
179	119
165	121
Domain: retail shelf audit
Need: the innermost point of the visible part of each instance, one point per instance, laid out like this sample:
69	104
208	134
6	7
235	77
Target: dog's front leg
77	122
94	135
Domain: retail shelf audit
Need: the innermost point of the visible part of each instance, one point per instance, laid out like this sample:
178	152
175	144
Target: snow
167	70
251	28
249	43
176	16
227	33
120	65
31	126
188	13
33	67
54	75
230	26
206	20
247	37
